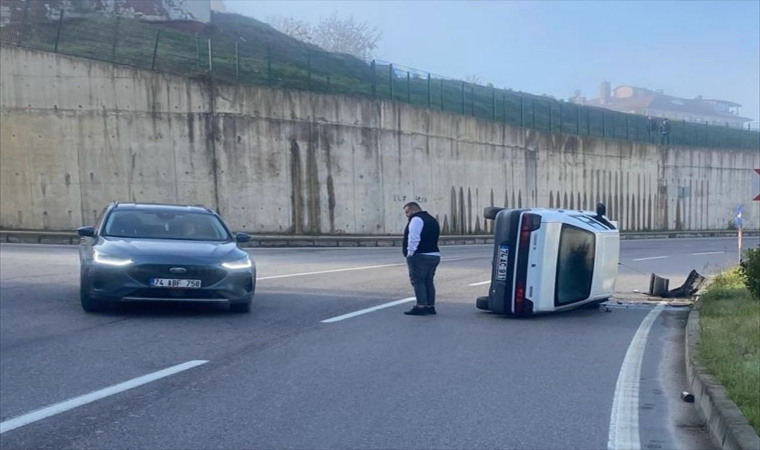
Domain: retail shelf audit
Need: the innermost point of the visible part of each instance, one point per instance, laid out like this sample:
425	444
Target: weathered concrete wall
76	134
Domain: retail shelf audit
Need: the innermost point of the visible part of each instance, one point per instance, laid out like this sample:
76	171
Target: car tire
490	212
595	304
244	307
89	304
482	303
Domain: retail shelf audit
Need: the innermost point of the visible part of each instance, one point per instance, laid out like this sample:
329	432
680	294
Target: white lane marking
624	419
368	310
707	253
348	269
58	408
329	271
479	284
653	257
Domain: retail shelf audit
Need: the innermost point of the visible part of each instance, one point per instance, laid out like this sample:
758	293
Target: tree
333	34
297	29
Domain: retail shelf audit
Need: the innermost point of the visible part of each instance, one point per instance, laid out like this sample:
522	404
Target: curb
71	238
728	427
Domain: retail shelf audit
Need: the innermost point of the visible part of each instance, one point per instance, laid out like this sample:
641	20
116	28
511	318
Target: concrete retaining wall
75	134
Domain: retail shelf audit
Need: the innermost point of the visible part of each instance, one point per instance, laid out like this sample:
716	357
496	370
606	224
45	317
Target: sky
686	48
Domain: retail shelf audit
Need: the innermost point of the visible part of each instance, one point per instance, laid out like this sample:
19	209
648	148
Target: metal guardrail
71	238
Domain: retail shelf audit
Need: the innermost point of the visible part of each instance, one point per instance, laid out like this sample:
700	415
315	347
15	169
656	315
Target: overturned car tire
482	303
489	212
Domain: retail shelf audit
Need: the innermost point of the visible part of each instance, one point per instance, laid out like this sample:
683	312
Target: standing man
422	257
665	130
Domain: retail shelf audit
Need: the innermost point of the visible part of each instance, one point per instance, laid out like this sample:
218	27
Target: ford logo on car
178	270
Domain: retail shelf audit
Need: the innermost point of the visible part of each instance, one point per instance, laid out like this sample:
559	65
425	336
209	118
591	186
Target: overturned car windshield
165	225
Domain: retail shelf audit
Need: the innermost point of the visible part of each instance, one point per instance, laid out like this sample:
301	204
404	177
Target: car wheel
244	307
482	303
89	304
490	212
595	304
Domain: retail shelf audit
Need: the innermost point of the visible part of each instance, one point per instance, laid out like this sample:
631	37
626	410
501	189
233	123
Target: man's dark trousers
421	273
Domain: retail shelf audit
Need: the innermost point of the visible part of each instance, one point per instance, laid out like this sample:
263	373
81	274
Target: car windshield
165	225
575	265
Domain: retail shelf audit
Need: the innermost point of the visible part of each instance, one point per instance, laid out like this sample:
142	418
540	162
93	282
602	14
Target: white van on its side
547	260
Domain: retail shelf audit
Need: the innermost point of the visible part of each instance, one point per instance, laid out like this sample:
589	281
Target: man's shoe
430	310
416	311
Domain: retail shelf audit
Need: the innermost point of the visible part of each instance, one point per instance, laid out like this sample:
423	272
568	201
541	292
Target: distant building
636	100
186	14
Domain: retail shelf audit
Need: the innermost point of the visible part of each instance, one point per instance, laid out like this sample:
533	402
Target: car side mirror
243	237
86	231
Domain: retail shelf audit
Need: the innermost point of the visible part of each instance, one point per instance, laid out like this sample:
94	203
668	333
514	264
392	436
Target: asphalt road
281	378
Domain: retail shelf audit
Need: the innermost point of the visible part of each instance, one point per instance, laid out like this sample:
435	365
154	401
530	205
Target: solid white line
707	253
329	271
348	269
624	419
58	408
479	284
653	257
368	310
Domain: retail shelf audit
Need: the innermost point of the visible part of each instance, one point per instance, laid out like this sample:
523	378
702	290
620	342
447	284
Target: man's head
411	208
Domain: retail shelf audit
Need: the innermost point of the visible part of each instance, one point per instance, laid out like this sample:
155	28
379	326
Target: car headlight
244	263
110	260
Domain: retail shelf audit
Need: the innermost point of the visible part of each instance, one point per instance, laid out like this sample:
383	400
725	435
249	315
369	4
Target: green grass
729	345
267	57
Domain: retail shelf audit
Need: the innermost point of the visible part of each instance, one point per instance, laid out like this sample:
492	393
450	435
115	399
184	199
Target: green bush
750	270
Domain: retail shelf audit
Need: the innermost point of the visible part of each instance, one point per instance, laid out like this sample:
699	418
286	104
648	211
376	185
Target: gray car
161	252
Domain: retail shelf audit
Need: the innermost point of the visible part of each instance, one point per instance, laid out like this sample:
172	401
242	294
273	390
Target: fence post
374	79
463	107
430	95
391	79
493	103
504	100
210	57
578	119
23	22
408	87
237	62
58	32
269	63
533	112
441	86
604	125
561	128
551	117
522	110
155	50
588	121
627	128
308	66
197	52
115	38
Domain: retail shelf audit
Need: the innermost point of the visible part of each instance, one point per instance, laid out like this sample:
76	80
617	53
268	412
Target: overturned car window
575	265
156	225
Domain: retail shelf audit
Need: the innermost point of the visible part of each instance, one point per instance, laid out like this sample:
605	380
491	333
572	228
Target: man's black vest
428	237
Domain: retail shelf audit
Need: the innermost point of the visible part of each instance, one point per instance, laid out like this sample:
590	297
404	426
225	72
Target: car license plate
501	273
174	283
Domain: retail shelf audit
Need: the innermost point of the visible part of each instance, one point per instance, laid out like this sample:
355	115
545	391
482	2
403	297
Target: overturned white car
547	260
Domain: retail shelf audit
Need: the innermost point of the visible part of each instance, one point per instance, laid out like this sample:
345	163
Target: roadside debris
658	286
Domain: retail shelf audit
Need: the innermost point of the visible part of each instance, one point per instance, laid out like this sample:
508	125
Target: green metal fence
146	45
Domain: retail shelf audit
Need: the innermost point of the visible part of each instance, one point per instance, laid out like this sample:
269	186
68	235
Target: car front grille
208	275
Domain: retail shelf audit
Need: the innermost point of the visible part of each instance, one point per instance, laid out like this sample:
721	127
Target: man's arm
415	231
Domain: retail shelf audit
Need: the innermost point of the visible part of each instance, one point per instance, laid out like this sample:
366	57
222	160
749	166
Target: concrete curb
728	427
71	238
